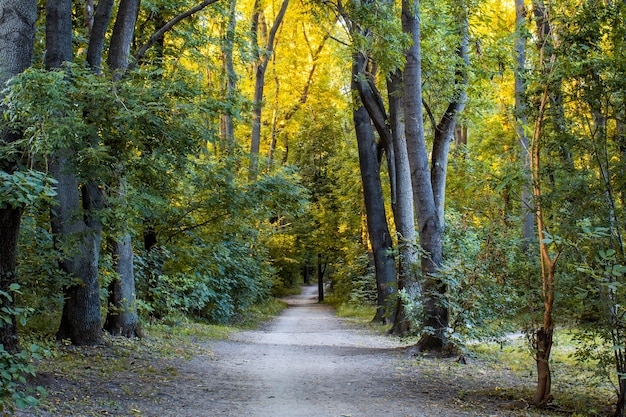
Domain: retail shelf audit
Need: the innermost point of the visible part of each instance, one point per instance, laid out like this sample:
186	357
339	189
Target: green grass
577	388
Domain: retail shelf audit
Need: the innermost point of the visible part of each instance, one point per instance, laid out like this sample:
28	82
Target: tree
122	318
370	115
528	223
17	37
404	211
429	180
75	223
262	58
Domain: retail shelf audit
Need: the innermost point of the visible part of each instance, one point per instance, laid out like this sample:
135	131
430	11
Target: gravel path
308	363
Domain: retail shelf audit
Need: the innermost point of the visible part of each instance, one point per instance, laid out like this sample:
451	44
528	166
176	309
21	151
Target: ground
305	363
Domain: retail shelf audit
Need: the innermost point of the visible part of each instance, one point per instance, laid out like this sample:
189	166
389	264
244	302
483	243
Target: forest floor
305	363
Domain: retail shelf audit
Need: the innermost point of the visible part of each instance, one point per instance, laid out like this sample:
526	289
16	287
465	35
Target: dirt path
307	363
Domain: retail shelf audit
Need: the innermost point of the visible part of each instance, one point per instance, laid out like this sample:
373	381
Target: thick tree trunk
10	218
17	37
382	245
444	132
81	318
122	37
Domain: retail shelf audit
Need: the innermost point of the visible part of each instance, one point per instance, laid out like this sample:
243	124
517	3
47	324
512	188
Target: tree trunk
404	214
543	336
528	221
429	226
17	38
10	218
122	37
320	279
227	129
444	132
259	82
122	318
102	18
81	318
620	408
382	245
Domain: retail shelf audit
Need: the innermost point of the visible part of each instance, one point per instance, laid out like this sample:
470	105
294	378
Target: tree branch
167	27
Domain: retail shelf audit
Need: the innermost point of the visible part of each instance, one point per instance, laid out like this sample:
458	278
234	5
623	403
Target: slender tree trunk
528	220
404	213
550	97
227	129
382	245
122	318
259	81
543	335
74	222
320	279
444	132
429	226
17	37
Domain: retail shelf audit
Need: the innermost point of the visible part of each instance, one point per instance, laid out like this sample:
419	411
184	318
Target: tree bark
262	60
17	38
81	318
227	129
122	37
528	220
444	132
429	226
101	20
122	318
382	245
404	214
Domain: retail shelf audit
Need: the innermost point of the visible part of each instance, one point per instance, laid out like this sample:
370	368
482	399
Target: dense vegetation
222	154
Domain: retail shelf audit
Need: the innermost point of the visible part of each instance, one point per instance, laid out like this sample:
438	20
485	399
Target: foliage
16	367
28	187
482	298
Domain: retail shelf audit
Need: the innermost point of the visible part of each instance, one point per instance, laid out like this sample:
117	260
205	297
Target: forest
459	165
